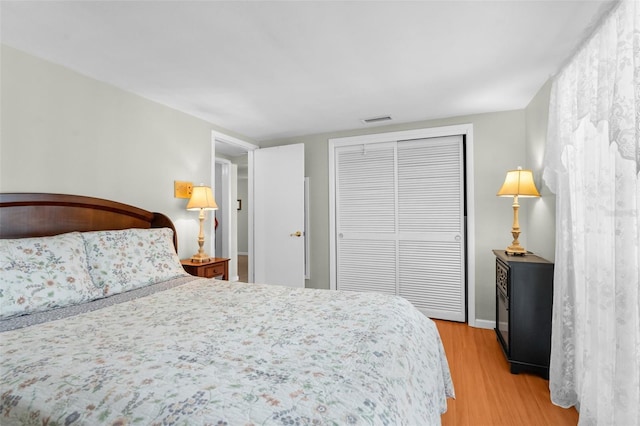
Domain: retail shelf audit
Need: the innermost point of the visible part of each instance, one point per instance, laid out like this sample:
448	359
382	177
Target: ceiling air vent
373	120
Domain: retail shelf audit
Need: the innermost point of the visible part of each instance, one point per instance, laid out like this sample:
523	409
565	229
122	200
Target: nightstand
215	267
524	300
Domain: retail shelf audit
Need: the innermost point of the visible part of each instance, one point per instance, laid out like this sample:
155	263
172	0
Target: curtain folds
592	160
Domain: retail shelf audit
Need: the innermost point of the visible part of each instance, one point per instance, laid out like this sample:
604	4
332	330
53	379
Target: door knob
296	234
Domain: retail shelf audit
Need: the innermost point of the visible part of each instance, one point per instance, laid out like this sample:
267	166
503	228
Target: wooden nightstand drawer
211	271
215	267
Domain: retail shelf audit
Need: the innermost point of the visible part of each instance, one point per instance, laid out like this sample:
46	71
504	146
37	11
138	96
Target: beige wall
499	145
540	228
65	133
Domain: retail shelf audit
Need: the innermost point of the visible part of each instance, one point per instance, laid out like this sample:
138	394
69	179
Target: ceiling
276	69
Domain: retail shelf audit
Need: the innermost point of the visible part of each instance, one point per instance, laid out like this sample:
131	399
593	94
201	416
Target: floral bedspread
219	353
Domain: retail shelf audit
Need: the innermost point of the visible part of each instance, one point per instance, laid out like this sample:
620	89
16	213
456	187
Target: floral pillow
39	274
123	260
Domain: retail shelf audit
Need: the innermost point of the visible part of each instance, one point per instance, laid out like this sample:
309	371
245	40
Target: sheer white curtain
592	161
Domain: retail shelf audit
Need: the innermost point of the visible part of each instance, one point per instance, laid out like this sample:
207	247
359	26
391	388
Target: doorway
268	213
230	174
242	209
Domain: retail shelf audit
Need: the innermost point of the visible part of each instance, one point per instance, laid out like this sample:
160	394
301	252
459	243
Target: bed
101	325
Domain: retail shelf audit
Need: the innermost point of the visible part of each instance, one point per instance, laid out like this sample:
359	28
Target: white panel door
399	221
279	215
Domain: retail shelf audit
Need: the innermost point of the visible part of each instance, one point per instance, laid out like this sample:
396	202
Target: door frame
228	235
462	129
219	137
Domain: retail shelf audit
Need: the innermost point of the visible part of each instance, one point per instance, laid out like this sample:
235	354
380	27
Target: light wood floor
243	268
486	392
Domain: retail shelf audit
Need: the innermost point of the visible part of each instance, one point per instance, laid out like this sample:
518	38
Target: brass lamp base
516	250
200	258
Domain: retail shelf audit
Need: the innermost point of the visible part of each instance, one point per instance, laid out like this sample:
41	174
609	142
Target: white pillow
39	274
123	260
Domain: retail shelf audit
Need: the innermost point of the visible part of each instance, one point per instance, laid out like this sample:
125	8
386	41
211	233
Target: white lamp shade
202	198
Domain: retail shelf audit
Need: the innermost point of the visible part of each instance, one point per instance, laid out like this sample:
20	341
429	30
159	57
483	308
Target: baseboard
242	253
485	324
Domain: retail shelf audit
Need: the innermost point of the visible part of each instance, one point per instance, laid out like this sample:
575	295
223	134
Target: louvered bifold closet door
400	222
431	226
366	218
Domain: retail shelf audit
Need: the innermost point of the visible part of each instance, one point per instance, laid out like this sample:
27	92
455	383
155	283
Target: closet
399	221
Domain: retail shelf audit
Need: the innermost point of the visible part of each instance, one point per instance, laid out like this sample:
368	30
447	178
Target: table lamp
201	199
518	183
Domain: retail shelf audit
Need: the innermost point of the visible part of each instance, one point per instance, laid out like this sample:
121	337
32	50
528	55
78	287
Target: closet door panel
431	226
365	189
364	265
430	197
430	278
365	218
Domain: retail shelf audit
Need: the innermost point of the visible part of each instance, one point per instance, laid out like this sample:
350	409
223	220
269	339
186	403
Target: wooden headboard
36	215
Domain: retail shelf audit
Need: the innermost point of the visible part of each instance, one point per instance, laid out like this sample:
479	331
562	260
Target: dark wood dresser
524	298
